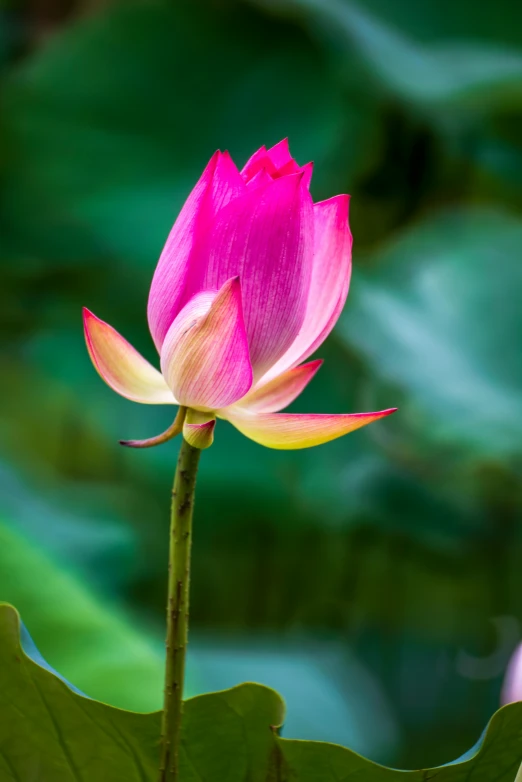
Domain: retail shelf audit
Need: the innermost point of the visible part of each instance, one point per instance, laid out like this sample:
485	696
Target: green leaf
439	316
468	74
49	732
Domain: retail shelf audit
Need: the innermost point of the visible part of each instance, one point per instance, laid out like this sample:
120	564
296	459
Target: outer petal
281	391
266	237
287	431
329	284
205	353
219	183
121	366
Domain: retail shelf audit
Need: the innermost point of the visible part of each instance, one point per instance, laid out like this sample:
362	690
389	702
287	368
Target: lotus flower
252	279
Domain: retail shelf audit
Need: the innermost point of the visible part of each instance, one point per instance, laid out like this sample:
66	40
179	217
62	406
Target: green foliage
47	731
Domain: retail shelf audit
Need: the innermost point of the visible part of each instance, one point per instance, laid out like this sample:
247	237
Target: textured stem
178	608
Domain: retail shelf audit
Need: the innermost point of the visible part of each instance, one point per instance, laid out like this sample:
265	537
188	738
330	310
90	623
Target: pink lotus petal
276	162
308	170
287	431
289	168
329	284
259	161
265	237
293	168
121	366
259	154
280	155
219	184
205	353
281	391
198	429
261	179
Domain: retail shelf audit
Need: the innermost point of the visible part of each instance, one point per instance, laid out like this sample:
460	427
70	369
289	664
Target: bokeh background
375	581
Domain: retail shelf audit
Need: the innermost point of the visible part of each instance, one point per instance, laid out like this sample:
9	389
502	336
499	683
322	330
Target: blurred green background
375	581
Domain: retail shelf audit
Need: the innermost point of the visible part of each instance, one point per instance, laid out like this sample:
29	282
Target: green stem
178	608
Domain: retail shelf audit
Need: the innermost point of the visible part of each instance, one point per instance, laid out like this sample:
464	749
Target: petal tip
232	287
226	169
121	366
294	180
205	356
280	153
281	391
89	320
334	214
87	315
212	164
375	416
307	171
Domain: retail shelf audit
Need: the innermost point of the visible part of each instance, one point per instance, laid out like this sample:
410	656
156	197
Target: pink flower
252	279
